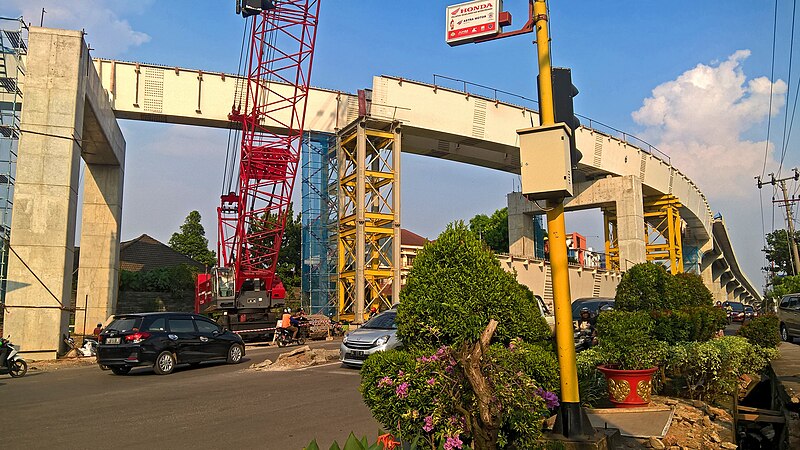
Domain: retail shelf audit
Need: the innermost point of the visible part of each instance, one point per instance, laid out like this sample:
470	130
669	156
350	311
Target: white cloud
699	120
108	33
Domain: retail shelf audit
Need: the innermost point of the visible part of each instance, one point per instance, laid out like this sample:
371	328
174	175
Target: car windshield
748	308
383	321
124	324
736	306
593	306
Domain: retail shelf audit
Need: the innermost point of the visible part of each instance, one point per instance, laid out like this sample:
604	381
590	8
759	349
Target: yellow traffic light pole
571	421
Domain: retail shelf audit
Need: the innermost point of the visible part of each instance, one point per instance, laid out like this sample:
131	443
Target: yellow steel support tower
368	155
662	220
612	239
662	227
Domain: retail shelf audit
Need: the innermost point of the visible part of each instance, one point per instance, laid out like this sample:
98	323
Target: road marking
320	365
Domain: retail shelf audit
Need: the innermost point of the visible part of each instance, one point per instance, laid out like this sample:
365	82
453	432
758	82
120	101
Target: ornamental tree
477	368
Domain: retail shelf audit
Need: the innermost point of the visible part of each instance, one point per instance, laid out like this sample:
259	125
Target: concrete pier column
46	193
98	275
66	117
521	231
623	195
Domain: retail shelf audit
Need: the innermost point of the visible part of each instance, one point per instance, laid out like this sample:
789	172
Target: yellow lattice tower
368	154
662	219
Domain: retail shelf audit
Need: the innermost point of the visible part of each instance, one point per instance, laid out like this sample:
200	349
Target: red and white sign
470	20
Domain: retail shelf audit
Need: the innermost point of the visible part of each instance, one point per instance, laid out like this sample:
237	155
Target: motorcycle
336	328
285	338
11	363
584	338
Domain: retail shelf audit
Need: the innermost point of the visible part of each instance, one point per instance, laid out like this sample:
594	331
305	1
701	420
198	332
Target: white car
376	335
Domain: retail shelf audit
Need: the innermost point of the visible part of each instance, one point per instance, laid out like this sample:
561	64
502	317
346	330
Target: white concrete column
520	226
98	275
46	192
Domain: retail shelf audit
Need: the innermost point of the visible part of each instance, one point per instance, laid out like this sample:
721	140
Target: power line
771	83
784	143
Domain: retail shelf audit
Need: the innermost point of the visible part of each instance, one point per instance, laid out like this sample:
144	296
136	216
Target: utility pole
789	218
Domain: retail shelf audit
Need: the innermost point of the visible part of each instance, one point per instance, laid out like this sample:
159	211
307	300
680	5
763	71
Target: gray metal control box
546	167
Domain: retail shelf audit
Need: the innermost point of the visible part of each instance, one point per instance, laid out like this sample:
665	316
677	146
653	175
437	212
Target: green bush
762	331
455	287
423	392
688	289
644	287
690	323
625	340
591	382
711	369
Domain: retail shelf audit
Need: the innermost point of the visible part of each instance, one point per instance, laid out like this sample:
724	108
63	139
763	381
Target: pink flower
402	390
428	424
432	381
401	373
452	442
385	381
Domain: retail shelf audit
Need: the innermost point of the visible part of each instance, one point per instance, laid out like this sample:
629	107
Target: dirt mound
298	358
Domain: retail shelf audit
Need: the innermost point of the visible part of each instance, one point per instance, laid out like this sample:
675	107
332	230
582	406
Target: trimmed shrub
692	323
711	369
688	289
644	287
625	340
762	331
455	287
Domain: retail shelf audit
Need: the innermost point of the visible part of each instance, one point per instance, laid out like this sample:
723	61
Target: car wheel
18	369
121	370
165	363
785	334
235	354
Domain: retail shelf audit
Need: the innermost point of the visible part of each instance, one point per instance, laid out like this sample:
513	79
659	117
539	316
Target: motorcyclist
586	323
294	324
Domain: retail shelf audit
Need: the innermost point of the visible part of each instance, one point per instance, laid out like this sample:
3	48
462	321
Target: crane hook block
249	8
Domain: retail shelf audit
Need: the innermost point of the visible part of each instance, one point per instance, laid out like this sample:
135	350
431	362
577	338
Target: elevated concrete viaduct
71	103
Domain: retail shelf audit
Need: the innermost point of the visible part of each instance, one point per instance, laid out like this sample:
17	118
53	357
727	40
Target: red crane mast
272	116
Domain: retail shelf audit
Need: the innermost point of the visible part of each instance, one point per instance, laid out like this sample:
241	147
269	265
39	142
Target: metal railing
498	95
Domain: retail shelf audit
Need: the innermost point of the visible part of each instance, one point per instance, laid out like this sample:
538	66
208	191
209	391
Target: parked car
164	340
789	316
749	312
376	335
595	305
735	311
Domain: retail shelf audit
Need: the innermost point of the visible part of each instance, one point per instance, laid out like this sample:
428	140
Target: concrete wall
534	274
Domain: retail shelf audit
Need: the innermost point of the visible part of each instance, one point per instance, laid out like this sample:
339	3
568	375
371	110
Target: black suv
163	340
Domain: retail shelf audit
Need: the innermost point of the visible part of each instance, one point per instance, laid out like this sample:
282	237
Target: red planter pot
628	388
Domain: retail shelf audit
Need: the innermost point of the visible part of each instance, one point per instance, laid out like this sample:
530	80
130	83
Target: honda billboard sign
470	20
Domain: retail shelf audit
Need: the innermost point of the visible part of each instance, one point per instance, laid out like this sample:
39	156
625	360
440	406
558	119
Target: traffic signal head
249	8
563	93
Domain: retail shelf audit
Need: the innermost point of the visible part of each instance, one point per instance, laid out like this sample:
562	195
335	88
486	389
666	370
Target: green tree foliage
191	241
781	286
164	279
688	289
762	331
289	258
492	230
644	287
454	289
688	323
778	252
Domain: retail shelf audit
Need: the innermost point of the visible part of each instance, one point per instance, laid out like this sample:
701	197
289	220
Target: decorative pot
628	388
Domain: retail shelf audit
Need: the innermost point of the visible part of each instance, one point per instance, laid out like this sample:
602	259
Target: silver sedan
376	335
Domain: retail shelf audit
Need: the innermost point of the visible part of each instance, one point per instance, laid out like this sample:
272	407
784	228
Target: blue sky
708	110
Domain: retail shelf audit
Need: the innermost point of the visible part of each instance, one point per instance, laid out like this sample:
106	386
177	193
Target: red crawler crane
272	116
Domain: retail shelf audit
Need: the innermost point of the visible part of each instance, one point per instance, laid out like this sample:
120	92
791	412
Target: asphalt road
212	406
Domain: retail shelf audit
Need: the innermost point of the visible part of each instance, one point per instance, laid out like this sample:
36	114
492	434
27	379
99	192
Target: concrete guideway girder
66	116
368	153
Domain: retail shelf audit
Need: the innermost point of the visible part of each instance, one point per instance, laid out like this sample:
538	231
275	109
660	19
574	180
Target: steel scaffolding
13	48
317	287
368	156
